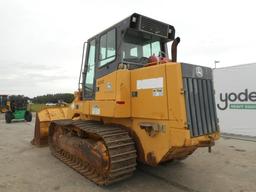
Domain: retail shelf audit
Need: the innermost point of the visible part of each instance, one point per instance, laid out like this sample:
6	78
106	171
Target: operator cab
146	39
18	103
136	41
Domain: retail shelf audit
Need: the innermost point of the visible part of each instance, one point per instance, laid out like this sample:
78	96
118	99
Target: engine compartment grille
200	105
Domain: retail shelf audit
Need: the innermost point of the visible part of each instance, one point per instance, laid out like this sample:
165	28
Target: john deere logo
245	99
199	72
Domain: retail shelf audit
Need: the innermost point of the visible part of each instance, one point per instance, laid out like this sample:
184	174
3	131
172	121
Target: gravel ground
230	167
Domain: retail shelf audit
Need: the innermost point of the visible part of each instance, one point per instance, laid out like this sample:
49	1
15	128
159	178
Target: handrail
82	64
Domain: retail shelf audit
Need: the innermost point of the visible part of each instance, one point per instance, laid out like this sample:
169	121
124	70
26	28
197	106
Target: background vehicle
4	103
133	104
17	109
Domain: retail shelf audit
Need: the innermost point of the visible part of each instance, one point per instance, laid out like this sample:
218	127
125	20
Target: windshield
136	52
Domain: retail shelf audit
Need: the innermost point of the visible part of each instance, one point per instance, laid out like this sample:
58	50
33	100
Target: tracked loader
133	104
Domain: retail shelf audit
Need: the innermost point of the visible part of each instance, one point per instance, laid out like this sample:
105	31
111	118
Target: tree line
43	99
54	98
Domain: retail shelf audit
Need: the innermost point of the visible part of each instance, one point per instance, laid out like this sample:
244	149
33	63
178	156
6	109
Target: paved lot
230	167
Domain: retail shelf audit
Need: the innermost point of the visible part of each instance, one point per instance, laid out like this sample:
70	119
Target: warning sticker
158	92
95	110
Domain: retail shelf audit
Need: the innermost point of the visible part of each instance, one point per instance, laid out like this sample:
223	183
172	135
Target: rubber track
121	149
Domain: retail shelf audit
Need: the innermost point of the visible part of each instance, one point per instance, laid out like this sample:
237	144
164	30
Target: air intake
154	27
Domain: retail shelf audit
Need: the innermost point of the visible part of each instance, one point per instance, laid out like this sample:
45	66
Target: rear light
120	102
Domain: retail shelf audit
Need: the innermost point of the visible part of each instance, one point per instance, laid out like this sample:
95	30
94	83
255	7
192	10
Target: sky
41	41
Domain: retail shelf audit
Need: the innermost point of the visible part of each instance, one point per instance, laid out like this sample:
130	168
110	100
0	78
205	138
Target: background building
236	98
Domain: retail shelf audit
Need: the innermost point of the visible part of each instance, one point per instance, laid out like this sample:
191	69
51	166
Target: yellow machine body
149	102
133	103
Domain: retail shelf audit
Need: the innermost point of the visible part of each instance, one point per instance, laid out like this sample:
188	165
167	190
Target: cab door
89	71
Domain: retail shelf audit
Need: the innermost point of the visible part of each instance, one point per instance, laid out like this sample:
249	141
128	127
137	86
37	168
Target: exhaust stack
174	49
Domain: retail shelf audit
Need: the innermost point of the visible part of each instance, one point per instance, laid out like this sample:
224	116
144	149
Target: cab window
135	51
107	48
90	70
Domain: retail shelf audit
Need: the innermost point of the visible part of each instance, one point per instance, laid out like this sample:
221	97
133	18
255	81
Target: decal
95	110
158	92
150	83
109	86
199	72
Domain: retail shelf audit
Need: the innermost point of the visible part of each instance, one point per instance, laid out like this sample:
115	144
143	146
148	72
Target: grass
38	107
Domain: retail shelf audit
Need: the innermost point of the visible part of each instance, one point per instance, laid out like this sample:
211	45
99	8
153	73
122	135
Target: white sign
95	110
150	83
236	99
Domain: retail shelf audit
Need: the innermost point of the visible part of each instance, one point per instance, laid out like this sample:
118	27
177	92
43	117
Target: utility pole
215	63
